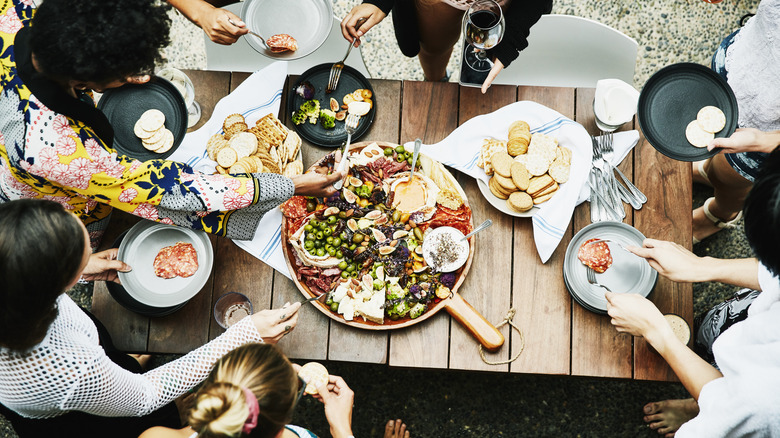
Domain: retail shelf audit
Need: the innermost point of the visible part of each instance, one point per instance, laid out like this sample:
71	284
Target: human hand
638	316
273	324
366	11
497	67
222	26
316	184
338	399
672	260
746	140
103	266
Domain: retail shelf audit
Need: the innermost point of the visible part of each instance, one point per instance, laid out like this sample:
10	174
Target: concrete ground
471	404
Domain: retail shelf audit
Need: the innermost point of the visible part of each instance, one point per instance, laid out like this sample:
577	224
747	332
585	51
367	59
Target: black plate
670	100
350	81
120	295
124	105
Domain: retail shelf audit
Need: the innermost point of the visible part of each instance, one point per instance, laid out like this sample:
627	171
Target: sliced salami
595	255
179	260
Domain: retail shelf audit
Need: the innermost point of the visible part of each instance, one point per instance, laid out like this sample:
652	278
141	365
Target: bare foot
142	359
396	429
665	417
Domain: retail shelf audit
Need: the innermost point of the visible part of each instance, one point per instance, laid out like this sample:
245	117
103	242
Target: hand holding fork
350	125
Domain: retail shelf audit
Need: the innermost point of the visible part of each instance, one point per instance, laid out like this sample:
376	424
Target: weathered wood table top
561	337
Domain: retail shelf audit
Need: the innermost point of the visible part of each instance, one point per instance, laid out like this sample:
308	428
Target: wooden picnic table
561	337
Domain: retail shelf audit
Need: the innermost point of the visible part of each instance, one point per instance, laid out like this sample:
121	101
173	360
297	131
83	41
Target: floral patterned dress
54	146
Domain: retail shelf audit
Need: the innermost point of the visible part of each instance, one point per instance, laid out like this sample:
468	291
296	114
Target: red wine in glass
483	25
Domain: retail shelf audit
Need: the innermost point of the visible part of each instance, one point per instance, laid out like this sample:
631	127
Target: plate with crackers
684	106
149	120
353	88
525	171
265	147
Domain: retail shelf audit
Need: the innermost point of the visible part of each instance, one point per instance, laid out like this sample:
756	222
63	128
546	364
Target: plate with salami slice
170	264
616	268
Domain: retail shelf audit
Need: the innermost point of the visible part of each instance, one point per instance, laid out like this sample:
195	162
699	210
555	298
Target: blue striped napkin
461	149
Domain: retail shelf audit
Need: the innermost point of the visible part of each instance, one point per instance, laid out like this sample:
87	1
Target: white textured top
69	370
746	400
753	63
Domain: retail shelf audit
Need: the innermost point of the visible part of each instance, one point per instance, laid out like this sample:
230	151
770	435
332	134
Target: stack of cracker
266	147
533	175
150	128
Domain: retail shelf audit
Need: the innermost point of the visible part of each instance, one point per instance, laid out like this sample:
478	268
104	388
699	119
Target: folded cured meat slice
595	255
179	260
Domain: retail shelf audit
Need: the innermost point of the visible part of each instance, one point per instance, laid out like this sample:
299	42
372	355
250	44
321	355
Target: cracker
153	142
697	136
520	202
234	129
711	119
501	162
270	130
449	199
293	168
227	157
544	198
489	147
535	164
559	171
314	374
221	170
238	168
215	146
522	125
232	119
140	132
544	145
497	190
520	176
270	165
505	183
563	154
539	183
292	144
167	143
244	143
152	120
550	189
517	146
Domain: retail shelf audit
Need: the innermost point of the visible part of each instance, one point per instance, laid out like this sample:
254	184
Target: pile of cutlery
609	188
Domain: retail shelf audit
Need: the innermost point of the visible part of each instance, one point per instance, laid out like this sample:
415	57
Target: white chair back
242	57
570	51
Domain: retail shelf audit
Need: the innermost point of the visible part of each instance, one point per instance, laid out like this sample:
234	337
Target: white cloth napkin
461	149
622	143
258	95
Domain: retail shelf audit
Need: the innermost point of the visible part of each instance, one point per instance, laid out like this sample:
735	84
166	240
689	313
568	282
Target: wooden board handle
476	324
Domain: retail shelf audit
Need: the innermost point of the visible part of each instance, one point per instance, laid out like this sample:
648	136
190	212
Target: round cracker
559	171
698	136
501	162
167	143
227	157
520	176
152	120
520	202
497	190
535	164
505	183
314	374
244	143
141	132
521	124
711	119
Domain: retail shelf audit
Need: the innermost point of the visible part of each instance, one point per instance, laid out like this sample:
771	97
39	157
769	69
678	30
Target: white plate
500	204
308	21
139	248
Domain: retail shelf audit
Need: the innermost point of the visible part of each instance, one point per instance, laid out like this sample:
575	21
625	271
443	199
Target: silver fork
350	125
335	70
610	199
636	195
591	276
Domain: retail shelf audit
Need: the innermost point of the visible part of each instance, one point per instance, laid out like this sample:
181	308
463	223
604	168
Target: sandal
699	167
718	222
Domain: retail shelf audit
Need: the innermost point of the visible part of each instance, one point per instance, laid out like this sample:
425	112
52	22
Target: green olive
331	251
329	239
343	265
335	242
352	247
344	274
418	233
339	254
314	223
311	206
351	268
400	149
311	236
388	152
308	228
321	252
357	238
343	214
343	235
320	235
308	245
332	219
396	216
327	231
334	306
409	160
400	159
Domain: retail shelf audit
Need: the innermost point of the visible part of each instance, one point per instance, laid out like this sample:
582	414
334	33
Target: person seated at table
431	28
743	397
252	392
54	143
59	372
747	59
215	21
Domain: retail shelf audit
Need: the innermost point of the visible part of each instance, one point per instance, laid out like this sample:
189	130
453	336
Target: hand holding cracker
338	399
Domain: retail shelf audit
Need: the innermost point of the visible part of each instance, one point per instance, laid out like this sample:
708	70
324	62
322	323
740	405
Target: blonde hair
220	406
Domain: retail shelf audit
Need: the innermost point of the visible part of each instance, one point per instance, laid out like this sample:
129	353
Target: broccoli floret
363	191
299	117
417	310
394	291
327	118
400	308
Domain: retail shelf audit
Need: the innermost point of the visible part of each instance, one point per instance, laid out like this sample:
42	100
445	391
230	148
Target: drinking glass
483	25
231	308
183	83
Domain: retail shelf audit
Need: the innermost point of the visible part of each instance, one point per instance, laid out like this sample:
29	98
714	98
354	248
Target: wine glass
483	25
183	83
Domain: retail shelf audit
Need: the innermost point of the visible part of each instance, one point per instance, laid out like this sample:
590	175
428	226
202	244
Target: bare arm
214	21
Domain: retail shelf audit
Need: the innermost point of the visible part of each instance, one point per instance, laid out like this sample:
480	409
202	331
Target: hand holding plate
103	266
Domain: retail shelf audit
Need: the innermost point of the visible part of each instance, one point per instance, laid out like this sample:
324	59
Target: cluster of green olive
320	239
401	154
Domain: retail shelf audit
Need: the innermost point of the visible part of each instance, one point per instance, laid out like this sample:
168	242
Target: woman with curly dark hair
54	143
